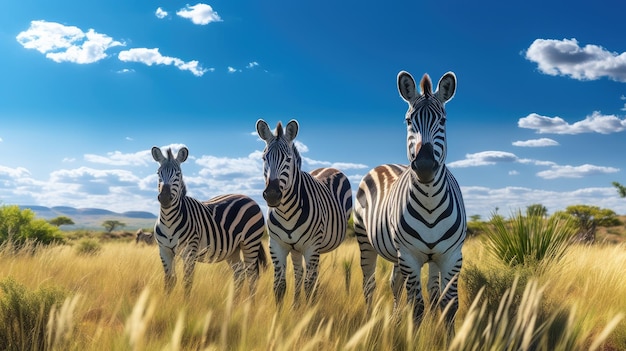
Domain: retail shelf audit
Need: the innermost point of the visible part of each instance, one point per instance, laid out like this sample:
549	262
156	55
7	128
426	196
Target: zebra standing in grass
222	228
413	215
308	212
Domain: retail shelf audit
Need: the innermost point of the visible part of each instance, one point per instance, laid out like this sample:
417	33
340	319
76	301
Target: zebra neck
294	197
170	215
432	190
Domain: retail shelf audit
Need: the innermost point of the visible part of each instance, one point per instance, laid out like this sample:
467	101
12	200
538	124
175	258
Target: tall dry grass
115	301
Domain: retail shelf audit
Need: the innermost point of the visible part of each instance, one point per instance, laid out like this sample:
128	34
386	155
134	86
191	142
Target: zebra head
171	185
426	122
280	159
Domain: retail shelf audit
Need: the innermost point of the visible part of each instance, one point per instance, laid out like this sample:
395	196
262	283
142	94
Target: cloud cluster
595	123
153	57
489	158
201	14
62	43
566	57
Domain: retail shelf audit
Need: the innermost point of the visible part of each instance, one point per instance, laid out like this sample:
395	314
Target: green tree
620	189
538	210
589	218
110	225
61	220
19	226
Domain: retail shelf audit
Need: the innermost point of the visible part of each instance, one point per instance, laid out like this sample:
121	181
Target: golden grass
116	302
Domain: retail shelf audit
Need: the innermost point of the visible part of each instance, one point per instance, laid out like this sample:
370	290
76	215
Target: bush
19	226
24	314
88	247
529	239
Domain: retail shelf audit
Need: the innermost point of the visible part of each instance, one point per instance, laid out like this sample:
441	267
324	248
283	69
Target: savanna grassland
109	296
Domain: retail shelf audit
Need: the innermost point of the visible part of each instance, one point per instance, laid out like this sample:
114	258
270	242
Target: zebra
307	212
145	237
413	215
223	228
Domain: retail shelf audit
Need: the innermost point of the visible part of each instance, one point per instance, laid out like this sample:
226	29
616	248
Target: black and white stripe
308	212
227	227
415	215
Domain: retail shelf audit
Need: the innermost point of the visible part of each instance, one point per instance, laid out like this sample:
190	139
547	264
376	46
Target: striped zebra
145	237
223	228
308	212
413	215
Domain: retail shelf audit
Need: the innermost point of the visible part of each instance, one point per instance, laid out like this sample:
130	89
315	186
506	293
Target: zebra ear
182	154
291	130
263	130
446	87
406	86
157	155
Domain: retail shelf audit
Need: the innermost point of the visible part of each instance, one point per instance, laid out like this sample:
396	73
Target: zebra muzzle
165	196
424	164
272	193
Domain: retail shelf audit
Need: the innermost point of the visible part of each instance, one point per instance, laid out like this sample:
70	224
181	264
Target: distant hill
92	218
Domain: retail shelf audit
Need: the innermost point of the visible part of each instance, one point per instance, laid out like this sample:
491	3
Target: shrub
24	314
88	247
19	226
529	239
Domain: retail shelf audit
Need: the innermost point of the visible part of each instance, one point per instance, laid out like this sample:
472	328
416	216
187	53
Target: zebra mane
279	130
426	85
170	155
296	155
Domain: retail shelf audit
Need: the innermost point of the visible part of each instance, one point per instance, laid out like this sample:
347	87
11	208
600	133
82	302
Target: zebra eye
442	121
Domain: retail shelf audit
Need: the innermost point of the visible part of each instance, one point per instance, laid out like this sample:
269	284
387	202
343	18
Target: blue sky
88	87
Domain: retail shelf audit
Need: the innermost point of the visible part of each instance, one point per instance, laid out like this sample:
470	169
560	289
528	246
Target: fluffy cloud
484	158
116	158
160	13
153	57
585	170
201	14
565	57
484	201
487	158
596	123
536	142
62	43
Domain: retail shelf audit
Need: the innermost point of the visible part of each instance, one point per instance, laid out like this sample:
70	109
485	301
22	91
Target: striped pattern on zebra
225	228
144	237
415	215
308	212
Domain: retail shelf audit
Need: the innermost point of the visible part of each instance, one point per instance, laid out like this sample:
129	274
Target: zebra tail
261	260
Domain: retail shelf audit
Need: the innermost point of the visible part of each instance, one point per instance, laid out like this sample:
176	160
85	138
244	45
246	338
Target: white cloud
565	57
160	13
536	142
557	171
152	56
201	14
233	70
116	158
596	123
484	201
484	158
252	64
62	43
488	158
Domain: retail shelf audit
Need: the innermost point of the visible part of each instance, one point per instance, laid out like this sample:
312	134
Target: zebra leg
410	267
189	266
434	288
238	269
397	283
312	271
368	263
298	271
449	281
279	259
169	266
